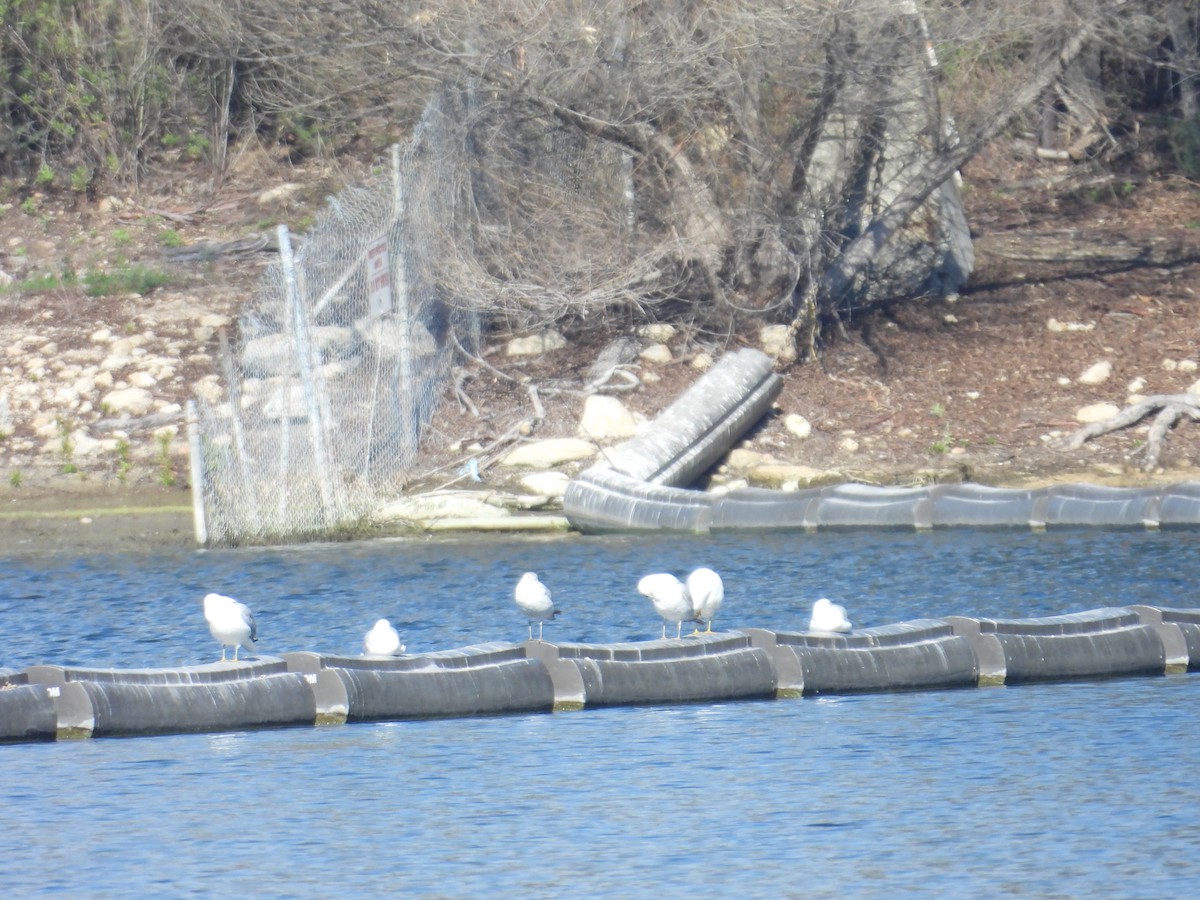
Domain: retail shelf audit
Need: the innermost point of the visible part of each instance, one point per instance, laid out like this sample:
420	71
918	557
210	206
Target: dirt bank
977	389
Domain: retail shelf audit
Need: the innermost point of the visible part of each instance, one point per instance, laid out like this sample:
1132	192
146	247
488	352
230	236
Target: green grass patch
134	280
95	283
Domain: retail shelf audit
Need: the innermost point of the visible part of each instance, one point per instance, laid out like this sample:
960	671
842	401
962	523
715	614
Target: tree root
1171	407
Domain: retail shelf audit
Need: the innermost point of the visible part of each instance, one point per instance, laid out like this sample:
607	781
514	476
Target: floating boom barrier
44	703
483	680
643	484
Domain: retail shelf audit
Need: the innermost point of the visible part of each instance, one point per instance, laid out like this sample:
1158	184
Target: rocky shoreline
979	388
93	510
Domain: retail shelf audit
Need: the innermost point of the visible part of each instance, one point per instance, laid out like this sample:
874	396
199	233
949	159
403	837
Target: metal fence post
309	377
196	467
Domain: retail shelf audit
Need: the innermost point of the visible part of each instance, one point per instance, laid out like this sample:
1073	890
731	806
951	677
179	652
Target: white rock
1096	412
132	401
209	389
741	459
659	332
431	507
550	453
848	445
702	362
126	345
1057	326
535	344
286	401
66	396
334	341
1194	388
776	342
1186	365
45	425
1136	386
385	336
547	484
1096	374
788	476
142	380
282	192
798	425
83	444
275	354
656	353
606	417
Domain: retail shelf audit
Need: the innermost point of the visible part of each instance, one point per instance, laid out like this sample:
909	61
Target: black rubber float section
643	484
45	702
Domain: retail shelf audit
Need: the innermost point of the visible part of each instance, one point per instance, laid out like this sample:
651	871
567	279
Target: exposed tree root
1171	407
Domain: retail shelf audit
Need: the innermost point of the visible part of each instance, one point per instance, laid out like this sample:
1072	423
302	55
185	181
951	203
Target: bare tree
790	162
723	162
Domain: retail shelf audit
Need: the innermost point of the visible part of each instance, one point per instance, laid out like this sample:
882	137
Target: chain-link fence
340	359
344	351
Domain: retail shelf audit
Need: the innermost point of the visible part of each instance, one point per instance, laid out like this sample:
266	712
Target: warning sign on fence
379	279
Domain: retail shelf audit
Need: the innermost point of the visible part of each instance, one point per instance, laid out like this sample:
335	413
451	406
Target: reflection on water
1080	789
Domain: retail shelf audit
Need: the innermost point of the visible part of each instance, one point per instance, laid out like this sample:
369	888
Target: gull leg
664	631
679	629
540	624
222	653
530	624
236	648
709	630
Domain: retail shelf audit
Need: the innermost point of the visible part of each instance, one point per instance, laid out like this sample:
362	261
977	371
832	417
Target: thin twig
482	362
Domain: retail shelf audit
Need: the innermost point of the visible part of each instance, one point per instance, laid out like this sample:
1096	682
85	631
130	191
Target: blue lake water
1072	790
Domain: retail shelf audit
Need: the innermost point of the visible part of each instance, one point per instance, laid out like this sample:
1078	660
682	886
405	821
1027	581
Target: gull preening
828	616
707	592
382	640
533	598
231	623
670	598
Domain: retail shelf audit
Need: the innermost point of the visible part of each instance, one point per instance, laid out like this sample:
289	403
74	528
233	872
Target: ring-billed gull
707	591
382	640
828	617
670	598
231	623
533	599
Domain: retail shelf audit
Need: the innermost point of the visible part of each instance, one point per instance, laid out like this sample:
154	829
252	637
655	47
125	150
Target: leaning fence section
340	357
337	363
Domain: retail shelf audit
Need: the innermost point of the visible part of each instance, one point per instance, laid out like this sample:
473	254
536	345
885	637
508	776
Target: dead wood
1170	407
1091	250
